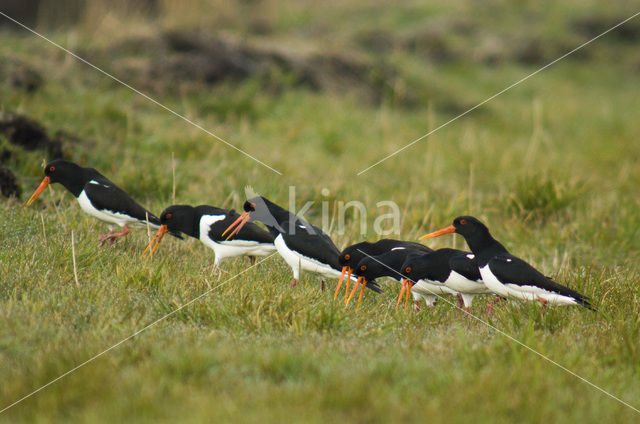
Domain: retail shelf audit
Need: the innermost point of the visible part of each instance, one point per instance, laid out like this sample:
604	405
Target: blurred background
319	91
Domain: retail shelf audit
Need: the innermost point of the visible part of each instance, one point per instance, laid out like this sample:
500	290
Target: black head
386	265
477	236
181	219
351	255
468	226
61	170
263	210
73	177
370	269
416	267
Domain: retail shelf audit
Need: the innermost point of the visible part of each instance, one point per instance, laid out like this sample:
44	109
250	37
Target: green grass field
551	166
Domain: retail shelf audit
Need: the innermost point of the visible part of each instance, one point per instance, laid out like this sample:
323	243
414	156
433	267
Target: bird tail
585	301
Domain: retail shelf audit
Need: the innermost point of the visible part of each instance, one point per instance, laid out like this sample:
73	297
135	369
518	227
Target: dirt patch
592	26
192	59
25	134
19	75
8	183
29	135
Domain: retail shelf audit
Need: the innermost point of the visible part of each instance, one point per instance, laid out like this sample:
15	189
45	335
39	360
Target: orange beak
354	290
446	230
404	287
157	239
346	288
344	270
408	292
238	224
364	284
41	187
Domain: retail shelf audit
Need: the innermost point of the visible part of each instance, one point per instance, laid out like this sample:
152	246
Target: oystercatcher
353	254
416	272
207	223
98	197
505	274
303	246
449	268
388	264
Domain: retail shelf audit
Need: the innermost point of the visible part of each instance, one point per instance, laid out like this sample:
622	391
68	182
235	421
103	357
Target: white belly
460	283
106	216
299	262
429	288
515	291
231	248
493	283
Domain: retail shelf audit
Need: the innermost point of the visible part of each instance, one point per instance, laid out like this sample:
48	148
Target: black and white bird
353	254
505	274
442	269
303	246
389	264
98	197
207	223
419	282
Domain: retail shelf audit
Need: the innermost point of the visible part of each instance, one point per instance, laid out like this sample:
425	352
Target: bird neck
484	247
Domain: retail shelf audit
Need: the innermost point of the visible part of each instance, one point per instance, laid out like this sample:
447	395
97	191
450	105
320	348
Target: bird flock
423	274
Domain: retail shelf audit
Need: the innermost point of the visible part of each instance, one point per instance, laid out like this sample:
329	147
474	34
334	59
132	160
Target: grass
551	166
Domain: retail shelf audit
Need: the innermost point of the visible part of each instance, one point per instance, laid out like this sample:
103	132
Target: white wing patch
98	183
398	248
471	256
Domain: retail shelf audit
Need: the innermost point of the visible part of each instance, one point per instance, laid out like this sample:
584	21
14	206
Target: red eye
363	268
52	168
407	269
347	257
463	222
168	216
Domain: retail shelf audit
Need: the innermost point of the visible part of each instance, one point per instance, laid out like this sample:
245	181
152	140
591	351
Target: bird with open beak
303	246
207	223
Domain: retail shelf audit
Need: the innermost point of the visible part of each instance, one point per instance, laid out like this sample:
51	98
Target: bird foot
490	307
102	239
111	236
294	282
416	306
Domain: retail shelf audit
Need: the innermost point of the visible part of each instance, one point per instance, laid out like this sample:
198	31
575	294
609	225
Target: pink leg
493	302
112	236
460	301
103	237
323	285
252	260
416	306
294	282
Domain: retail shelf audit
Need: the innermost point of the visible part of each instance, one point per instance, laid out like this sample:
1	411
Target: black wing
249	231
465	266
310	241
512	270
105	195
